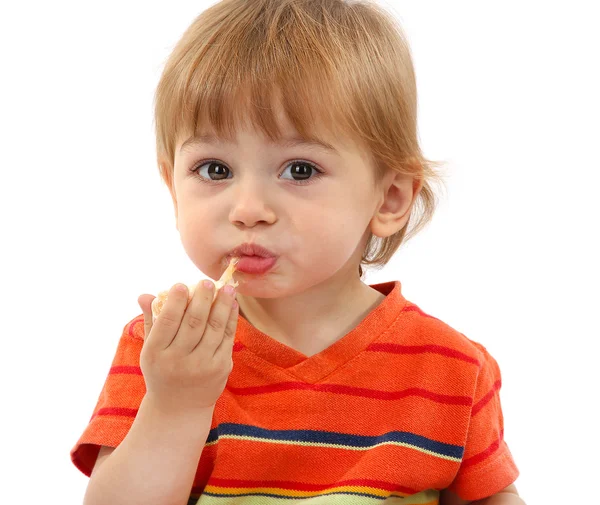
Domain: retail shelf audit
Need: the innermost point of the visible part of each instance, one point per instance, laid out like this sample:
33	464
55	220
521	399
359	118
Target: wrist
172	415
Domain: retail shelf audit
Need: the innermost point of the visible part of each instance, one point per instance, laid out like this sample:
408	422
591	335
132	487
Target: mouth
255	264
254	259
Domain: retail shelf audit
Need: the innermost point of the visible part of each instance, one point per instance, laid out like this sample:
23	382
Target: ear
397	195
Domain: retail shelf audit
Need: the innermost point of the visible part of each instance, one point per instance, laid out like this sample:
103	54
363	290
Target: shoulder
130	342
467	362
423	329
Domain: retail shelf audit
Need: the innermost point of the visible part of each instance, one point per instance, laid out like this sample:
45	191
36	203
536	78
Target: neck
329	311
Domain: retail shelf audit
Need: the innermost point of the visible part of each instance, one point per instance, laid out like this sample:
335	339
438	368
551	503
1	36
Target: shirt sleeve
487	466
119	400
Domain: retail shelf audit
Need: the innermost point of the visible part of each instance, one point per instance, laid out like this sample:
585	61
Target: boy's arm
508	496
155	463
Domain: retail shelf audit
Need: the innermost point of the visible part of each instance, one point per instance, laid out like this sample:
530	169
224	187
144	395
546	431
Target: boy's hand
186	357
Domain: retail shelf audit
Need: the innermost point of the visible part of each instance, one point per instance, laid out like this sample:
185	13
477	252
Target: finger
195	319
167	323
217	321
225	348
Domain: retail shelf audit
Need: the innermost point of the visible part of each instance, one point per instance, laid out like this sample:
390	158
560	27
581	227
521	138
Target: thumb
145	303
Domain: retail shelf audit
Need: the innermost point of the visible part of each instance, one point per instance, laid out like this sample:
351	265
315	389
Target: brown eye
216	171
301	170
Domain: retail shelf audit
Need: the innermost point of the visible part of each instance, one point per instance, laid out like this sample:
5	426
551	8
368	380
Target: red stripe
116	411
414	308
478	458
352	391
303	486
133	370
419	349
481	403
132	327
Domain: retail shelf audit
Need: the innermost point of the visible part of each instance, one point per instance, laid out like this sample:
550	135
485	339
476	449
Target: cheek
192	226
330	238
193	234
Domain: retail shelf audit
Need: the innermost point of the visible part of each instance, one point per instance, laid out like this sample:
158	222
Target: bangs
241	96
241	78
233	69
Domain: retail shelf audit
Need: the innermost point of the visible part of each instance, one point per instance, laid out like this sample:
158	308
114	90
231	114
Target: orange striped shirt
400	407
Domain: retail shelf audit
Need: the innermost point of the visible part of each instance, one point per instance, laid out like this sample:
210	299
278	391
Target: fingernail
208	285
229	289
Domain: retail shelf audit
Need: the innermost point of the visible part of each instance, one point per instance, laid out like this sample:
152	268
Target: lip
253	258
248	249
255	264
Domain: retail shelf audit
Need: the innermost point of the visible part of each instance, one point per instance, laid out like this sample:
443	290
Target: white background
508	97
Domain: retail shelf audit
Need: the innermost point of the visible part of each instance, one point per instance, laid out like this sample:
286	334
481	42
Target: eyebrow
198	140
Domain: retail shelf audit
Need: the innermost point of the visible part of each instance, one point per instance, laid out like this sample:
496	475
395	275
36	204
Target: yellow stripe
428	497
296	493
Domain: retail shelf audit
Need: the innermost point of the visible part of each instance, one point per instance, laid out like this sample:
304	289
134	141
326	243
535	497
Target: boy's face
253	192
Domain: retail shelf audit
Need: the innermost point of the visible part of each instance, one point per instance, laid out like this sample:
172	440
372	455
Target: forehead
271	125
211	138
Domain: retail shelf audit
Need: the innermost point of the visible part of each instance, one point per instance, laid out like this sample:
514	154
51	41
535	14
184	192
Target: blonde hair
345	65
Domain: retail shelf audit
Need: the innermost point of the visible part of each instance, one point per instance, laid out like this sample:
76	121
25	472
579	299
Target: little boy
303	383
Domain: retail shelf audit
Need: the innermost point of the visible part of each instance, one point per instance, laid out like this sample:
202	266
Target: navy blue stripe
328	437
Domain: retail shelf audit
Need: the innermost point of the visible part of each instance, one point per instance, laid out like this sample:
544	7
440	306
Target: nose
250	206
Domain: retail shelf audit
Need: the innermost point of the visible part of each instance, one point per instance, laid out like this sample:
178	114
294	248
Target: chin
260	286
266	293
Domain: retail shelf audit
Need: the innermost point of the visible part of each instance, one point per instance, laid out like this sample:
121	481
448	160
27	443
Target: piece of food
227	278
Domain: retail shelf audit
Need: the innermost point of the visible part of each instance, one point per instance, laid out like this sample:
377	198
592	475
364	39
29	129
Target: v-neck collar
314	368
